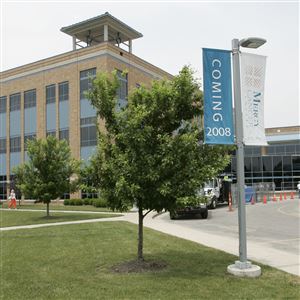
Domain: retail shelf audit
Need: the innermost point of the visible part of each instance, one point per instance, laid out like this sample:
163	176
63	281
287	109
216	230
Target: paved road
276	225
273	232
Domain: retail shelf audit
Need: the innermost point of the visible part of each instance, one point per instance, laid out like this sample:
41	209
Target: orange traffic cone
252	200
230	202
265	200
280	197
292	195
284	196
274	198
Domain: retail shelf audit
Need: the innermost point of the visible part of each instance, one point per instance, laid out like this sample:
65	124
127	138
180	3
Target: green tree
150	153
49	172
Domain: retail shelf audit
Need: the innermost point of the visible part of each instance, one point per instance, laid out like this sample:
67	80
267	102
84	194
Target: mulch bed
136	266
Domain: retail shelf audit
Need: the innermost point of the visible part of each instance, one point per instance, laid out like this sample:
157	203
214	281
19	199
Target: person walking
298	187
13	200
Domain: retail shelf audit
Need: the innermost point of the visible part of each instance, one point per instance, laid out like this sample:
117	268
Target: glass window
3	104
267	164
64	134
248	167
122	91
287	163
271	149
15	123
51	117
88	121
15	102
63	114
280	149
256	164
50	94
63	91
2	124
88	136
290	149
277	163
3	145
296	163
30	98
30	120
53	133
86	80
15	144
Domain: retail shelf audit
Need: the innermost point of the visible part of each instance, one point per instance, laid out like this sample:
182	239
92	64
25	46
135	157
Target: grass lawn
16	218
75	261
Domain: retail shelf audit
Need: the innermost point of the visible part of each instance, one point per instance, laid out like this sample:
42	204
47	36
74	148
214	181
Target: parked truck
217	190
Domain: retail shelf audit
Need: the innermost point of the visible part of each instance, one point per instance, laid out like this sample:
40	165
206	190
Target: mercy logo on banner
218	125
253	69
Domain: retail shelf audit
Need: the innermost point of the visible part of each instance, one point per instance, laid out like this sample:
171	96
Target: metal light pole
241	267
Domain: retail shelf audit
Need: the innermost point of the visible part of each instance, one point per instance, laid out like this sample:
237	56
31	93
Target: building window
88	136
29	99
3	145
50	109
15	144
122	91
64	134
53	133
86	81
15	102
3	104
63	91
50	94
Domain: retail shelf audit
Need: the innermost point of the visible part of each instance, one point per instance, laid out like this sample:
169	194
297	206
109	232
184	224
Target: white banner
253	69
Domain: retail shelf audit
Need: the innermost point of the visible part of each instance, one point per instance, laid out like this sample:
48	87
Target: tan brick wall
47	72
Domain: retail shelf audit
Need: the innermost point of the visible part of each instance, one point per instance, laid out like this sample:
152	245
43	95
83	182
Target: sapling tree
49	172
150	153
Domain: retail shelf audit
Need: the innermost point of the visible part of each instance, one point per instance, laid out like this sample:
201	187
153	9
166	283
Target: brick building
47	97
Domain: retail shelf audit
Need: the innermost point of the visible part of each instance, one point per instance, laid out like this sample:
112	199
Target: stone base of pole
244	269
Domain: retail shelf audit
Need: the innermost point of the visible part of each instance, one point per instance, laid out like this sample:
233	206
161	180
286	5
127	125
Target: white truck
217	191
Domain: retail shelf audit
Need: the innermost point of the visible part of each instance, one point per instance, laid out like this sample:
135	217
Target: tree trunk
140	242
48	209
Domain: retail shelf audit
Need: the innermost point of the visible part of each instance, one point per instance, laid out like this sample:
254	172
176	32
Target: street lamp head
252	42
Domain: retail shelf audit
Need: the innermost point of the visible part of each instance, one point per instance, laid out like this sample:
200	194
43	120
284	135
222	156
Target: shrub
100	202
78	202
88	201
66	202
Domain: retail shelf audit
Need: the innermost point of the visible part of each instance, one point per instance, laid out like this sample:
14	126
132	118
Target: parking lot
273	231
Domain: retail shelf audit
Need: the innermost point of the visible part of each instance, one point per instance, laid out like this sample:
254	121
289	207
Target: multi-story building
47	97
277	163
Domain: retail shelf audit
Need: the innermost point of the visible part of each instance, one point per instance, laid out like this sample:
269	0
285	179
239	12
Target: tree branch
147	213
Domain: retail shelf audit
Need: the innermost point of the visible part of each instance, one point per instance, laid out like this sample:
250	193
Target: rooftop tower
101	29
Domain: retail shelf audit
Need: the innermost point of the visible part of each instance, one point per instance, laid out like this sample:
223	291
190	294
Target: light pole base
244	269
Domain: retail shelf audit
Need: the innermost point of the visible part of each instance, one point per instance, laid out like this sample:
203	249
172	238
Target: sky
174	34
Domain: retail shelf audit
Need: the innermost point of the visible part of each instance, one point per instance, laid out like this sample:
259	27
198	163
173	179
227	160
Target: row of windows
15	101
273	149
30	97
268	165
283	149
